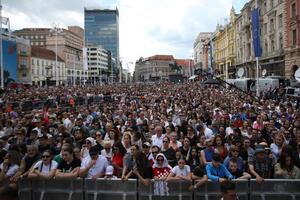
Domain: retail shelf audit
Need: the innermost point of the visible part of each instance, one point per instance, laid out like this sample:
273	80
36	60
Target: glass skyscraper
102	28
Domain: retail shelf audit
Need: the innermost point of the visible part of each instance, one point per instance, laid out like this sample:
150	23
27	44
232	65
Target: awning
211	81
193	77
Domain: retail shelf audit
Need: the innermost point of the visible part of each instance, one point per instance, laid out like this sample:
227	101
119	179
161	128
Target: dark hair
282	161
94	150
136	146
121	148
233	160
216	157
226	186
215	140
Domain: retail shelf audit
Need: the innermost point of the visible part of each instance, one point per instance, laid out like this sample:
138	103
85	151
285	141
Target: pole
74	70
121	69
257	67
56	75
1	50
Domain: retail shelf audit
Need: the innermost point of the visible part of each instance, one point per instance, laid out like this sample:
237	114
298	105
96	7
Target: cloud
147	27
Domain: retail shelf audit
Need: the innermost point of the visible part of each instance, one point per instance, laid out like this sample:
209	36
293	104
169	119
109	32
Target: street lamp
56	30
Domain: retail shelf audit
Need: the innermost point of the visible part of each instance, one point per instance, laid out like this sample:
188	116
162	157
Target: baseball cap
109	170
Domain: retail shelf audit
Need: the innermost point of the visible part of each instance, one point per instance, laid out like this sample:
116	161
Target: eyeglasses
154	152
234	150
46	156
165	141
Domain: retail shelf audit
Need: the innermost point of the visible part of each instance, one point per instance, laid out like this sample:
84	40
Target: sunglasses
98	135
235	150
154	152
165	141
93	154
45	156
160	160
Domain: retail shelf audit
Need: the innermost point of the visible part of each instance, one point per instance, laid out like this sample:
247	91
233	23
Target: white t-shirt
208	133
99	167
12	170
158	141
45	169
181	172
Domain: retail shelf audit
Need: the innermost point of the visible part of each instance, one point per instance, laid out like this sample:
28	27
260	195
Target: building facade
198	48
43	70
101	27
292	37
225	48
36	36
69	48
272	36
97	64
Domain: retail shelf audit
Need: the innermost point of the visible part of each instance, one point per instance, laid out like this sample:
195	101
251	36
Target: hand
222	180
259	179
192	188
124	178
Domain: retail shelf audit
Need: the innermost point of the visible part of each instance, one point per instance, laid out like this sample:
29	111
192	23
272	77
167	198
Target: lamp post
56	30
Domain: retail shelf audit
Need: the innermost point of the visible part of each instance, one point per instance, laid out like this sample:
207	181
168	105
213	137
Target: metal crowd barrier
103	189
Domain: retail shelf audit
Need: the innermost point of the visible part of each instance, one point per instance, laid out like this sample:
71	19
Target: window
266	46
271	4
294	36
280	21
272	45
265	28
293	10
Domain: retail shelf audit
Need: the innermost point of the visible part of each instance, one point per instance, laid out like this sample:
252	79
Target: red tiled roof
43	53
184	62
162	57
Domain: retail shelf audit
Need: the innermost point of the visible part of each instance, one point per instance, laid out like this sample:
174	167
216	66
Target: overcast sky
147	27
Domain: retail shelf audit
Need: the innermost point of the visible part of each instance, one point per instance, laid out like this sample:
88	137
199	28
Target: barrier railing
103	189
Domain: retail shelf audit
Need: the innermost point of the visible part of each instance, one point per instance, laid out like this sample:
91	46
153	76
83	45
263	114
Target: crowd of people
164	131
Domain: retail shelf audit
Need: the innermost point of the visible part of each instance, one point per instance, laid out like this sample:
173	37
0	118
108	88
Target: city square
92	108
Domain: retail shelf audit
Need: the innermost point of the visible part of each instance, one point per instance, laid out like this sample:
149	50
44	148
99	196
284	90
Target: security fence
103	189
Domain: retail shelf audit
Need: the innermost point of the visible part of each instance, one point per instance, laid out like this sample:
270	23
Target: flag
256	32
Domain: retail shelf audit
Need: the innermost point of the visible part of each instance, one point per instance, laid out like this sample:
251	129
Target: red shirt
117	159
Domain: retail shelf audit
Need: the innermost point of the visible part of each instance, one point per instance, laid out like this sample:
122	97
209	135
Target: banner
256	32
10	61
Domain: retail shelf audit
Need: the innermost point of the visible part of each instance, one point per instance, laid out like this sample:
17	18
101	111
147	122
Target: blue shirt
215	173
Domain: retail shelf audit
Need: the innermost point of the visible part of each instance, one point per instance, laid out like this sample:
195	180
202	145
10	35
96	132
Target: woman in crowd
9	166
117	159
286	168
180	172
206	154
45	168
220	147
234	153
161	171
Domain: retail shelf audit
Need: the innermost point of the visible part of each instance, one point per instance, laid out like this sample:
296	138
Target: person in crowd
69	166
107	151
157	139
142	169
161	171
276	147
89	142
261	165
119	153
228	190
174	143
109	173
235	171
219	146
286	168
194	159
199	177
186	148
31	157
45	168
180	172
129	162
169	152
216	171
9	166
127	141
234	153
206	154
94	165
